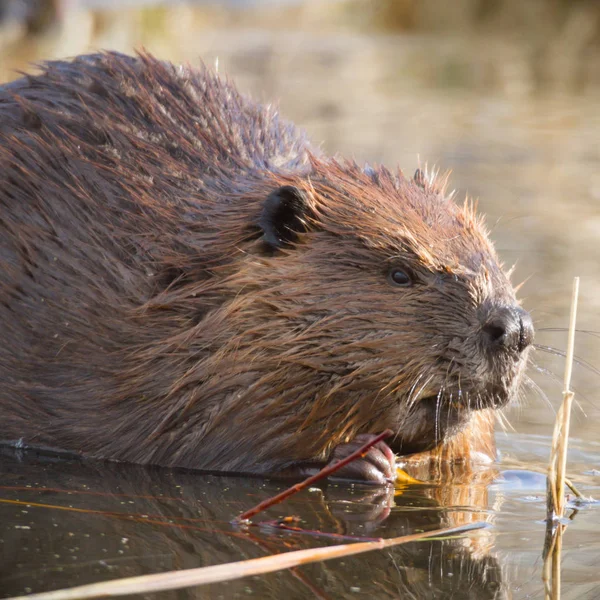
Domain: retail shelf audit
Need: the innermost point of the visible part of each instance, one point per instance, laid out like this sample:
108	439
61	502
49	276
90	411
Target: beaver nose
508	328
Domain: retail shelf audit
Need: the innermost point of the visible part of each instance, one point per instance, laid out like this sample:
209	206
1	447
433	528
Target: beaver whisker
556	329
414	396
459	392
528	382
504	422
577	360
438	405
519	400
413	387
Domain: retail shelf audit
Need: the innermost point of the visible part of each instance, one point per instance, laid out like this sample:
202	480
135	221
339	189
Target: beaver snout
507	328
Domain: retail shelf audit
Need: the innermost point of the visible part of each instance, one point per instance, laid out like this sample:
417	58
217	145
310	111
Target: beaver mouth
470	397
436	418
433	420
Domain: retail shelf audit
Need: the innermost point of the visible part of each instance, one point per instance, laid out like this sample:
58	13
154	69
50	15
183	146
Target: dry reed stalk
175	580
560	437
555	494
552	560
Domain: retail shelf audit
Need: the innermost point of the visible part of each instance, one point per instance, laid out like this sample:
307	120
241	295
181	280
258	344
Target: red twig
325	472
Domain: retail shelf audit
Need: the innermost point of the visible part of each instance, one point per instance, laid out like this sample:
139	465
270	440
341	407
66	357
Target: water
66	523
528	149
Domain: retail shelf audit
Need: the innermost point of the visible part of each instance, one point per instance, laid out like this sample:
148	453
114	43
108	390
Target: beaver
186	281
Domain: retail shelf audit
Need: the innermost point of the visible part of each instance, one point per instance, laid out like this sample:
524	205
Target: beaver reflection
181	520
186	281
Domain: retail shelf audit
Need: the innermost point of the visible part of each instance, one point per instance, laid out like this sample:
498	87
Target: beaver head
367	301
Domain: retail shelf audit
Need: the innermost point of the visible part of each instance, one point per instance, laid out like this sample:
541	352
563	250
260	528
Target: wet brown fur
144	319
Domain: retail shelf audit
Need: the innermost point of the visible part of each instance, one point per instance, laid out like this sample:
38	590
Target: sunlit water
65	523
531	156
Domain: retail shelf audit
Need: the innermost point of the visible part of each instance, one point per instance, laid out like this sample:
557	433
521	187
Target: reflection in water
67	523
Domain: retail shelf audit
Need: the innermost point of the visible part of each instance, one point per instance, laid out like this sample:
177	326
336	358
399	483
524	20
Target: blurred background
504	93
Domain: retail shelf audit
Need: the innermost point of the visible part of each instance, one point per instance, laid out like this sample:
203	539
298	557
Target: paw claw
377	466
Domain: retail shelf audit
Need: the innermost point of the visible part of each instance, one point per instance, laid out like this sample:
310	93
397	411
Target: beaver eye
400	278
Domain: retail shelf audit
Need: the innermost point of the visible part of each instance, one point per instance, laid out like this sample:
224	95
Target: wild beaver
186	281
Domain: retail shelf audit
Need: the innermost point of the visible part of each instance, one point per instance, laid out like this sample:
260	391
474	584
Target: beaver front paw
378	465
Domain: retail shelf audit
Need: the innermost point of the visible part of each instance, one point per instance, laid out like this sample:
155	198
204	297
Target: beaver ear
283	216
420	179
